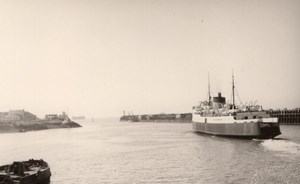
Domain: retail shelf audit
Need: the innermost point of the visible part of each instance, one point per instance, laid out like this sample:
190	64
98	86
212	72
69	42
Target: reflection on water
109	151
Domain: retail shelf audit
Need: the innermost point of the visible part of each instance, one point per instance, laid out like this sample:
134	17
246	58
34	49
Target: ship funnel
219	99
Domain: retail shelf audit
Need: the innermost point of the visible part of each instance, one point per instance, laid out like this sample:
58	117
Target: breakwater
23	121
285	117
181	117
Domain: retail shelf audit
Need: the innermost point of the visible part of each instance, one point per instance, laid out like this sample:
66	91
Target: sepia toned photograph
149	92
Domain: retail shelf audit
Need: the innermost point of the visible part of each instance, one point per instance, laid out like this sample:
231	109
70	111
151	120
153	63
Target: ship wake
282	145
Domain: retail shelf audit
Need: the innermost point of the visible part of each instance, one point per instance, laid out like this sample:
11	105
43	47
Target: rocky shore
22	121
6	127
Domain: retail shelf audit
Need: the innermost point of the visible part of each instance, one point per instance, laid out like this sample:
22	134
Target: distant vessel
25	172
78	117
216	117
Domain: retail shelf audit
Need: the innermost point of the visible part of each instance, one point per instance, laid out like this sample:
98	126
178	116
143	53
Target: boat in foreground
25	172
216	117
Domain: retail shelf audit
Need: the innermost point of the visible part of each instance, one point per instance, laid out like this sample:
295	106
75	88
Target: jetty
286	116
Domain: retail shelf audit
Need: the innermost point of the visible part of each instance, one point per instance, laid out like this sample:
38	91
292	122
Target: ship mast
209	97
233	101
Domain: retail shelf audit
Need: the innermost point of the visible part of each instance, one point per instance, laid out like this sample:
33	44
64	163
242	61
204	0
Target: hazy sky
98	58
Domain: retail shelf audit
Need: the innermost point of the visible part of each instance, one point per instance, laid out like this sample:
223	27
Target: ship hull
253	130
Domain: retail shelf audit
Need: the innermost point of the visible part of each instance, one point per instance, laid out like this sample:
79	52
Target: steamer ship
216	117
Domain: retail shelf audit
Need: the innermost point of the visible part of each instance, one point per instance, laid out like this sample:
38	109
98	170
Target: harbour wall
180	118
285	117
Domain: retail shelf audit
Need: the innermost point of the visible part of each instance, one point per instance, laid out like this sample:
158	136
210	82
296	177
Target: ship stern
269	130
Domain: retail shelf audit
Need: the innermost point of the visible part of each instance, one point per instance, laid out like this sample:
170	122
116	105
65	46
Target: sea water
109	151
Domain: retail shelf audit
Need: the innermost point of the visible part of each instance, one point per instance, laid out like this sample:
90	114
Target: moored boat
216	117
25	172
